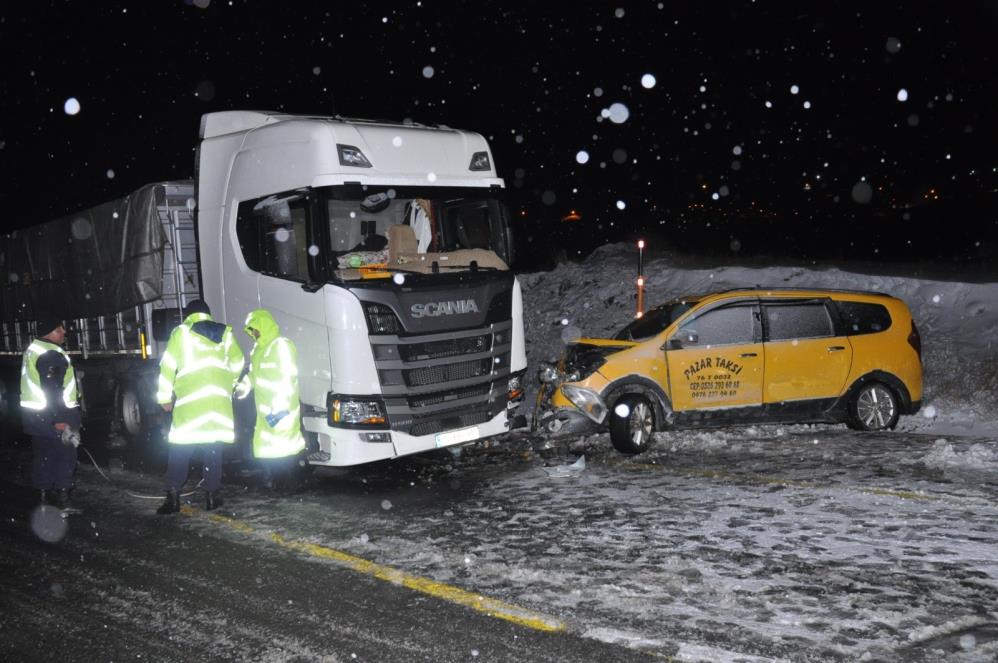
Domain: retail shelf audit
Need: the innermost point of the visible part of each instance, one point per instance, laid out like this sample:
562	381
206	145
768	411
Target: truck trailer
382	249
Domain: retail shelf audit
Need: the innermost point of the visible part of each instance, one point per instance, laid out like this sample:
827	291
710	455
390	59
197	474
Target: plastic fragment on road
574	469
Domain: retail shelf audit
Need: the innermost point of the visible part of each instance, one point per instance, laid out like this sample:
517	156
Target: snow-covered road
757	543
786	544
765	543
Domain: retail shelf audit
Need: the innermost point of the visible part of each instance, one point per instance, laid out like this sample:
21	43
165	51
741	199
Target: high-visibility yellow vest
32	395
202	374
273	377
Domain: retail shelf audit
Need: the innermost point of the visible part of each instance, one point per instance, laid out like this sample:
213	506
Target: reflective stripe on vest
201	374
275	385
32	395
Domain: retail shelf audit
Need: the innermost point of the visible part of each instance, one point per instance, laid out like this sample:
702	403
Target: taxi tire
631	434
874	407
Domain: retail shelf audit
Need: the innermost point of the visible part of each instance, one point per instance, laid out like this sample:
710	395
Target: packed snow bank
596	297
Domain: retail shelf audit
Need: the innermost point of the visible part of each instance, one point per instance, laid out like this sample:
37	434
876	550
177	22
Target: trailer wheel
128	410
6	408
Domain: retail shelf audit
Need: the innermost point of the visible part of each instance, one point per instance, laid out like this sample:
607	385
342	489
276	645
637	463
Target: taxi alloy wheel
875	408
632	423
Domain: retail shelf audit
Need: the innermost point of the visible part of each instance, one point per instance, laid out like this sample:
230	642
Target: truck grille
446	348
438	382
446	396
448	423
464	370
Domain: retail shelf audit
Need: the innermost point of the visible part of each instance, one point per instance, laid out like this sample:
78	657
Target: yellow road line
477	602
725	476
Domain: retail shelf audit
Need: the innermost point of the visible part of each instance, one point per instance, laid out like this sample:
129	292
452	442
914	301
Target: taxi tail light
915	340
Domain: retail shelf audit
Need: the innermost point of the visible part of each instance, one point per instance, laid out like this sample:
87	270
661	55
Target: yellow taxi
740	356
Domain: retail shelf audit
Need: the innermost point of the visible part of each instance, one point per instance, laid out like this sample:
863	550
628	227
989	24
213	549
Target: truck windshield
412	227
655	320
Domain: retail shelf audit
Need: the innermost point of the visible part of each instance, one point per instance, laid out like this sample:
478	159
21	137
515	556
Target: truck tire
128	417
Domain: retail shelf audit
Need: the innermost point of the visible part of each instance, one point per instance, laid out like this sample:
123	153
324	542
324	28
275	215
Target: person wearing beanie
50	412
197	374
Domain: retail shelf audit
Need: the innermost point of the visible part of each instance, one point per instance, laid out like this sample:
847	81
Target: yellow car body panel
757	362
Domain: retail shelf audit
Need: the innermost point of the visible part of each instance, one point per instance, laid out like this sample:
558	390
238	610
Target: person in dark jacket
50	413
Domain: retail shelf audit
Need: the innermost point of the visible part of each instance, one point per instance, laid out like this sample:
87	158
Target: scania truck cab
383	251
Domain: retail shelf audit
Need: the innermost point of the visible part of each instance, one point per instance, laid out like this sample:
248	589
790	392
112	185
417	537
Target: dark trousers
282	474
179	463
52	463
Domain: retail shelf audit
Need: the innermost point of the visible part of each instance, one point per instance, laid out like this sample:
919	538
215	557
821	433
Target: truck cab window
466	225
273	235
436	220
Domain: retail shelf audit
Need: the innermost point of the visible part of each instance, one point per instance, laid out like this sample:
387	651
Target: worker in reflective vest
273	379
197	374
50	413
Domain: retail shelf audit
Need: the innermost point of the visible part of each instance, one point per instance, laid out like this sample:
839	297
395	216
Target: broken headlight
586	400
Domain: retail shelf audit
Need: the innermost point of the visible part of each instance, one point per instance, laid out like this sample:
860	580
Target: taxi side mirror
681	340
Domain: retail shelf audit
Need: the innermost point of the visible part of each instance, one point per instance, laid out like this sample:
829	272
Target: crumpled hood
262	321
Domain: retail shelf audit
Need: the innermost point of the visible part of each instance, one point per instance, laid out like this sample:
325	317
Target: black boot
60	499
171	504
213	500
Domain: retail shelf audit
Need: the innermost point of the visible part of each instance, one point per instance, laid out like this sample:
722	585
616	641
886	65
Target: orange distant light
572	216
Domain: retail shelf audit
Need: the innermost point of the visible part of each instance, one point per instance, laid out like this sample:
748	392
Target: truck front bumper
340	447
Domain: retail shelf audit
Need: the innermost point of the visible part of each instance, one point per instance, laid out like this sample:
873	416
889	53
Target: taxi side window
722	326
797	320
863	318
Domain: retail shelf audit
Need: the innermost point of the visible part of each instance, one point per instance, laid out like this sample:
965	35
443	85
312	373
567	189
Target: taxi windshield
655	320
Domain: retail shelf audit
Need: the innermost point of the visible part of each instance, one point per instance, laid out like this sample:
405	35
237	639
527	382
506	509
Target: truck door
274	241
804	358
715	359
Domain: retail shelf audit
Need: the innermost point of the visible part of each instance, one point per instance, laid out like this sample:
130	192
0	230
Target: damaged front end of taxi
570	399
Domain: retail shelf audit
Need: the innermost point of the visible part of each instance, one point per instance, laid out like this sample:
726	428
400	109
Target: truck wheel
874	407
632	423
128	411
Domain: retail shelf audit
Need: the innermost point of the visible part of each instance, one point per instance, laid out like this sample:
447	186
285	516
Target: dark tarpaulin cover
95	262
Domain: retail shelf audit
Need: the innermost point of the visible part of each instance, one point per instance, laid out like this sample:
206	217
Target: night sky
862	130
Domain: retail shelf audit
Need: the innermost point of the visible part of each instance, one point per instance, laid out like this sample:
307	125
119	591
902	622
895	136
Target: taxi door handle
748	354
836	348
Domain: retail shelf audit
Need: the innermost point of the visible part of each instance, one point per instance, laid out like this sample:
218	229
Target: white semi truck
382	249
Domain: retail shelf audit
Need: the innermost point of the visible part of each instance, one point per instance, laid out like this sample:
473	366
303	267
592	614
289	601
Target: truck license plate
455	436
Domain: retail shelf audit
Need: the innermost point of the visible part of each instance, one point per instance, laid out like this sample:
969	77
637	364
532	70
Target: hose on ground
130	493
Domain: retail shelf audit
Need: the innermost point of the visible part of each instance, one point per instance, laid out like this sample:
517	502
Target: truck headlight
589	402
355	411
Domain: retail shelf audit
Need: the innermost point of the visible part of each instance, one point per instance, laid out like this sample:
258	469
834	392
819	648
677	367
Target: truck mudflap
341	447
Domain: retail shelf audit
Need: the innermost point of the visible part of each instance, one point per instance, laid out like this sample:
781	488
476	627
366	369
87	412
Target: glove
272	419
70	437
